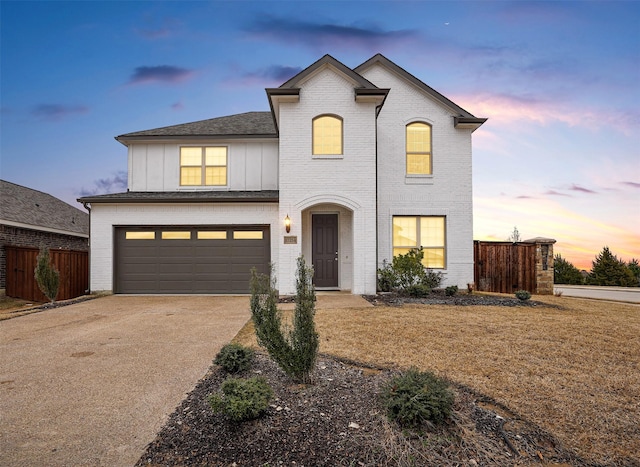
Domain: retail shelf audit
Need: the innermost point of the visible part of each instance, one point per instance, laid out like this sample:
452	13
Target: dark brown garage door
211	259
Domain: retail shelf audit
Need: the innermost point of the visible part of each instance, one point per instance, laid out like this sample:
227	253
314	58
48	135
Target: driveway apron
92	383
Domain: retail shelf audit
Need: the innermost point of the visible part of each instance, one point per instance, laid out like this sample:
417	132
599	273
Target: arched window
418	148
327	135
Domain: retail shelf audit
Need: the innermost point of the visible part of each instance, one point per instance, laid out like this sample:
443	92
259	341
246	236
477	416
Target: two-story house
349	168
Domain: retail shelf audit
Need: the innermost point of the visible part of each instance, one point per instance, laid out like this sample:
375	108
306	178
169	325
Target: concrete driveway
92	383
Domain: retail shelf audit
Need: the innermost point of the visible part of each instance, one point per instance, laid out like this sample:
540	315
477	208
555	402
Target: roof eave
125	140
468	123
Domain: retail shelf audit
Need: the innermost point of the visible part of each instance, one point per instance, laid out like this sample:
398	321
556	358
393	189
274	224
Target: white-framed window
418	145
203	166
327	135
426	232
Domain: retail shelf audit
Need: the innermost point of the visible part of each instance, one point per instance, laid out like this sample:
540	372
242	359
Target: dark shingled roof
265	196
40	211
246	125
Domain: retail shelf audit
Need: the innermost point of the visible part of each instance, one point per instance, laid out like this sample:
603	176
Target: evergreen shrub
242	399
234	358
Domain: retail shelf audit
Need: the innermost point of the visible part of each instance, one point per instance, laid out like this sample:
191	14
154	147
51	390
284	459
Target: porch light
287	223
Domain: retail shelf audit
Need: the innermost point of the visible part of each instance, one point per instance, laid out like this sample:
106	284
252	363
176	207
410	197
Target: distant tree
566	273
634	267
609	270
515	236
46	274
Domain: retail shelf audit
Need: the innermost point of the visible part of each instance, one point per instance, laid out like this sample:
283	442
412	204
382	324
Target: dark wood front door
325	249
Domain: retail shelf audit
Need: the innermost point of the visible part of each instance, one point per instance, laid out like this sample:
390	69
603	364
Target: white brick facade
365	186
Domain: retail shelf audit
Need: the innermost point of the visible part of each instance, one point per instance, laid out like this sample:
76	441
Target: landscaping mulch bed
338	420
462	298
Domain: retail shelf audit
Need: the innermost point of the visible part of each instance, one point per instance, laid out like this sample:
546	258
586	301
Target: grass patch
572	370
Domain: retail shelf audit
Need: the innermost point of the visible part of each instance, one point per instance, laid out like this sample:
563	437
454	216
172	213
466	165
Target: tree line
607	269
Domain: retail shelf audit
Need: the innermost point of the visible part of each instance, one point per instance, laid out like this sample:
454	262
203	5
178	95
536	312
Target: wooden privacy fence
504	267
21	282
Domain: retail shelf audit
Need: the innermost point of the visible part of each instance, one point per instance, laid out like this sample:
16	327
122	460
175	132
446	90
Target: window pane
401	251
418	137
176	235
190	156
431	231
327	135
211	235
216	156
190	176
140	235
433	258
216	176
418	164
247	235
404	232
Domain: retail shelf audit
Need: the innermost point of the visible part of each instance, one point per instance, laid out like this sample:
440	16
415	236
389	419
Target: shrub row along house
349	168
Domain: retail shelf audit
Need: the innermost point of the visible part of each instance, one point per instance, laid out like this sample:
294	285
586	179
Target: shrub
415	397
406	272
418	290
295	351
451	290
46	274
523	295
387	279
234	358
242	399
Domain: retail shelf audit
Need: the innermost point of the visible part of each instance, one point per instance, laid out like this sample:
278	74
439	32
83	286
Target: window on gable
203	166
418	148
327	135
428	232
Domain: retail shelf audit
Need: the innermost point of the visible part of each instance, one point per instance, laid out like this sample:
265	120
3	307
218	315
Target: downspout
378	108
87	206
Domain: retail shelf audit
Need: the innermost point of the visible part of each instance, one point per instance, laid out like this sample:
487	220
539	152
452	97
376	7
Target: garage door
177	260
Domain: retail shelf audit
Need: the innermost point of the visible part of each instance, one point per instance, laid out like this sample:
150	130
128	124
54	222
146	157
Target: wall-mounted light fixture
287	223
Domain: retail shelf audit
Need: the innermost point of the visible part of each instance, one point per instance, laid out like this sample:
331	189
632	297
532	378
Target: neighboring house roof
245	125
31	209
464	119
265	196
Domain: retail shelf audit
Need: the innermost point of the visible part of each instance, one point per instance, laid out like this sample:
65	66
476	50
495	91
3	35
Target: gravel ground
438	297
338	420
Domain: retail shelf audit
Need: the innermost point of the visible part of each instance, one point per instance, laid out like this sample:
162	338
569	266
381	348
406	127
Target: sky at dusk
559	156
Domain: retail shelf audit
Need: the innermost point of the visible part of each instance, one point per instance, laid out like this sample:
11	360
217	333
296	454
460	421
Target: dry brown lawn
574	370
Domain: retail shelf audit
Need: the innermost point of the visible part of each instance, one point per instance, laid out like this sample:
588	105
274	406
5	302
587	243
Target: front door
324	255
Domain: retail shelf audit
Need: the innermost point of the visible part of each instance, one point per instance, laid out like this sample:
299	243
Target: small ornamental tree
609	270
294	350
46	274
565	273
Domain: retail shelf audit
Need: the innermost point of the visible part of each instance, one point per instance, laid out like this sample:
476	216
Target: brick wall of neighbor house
448	192
106	216
347	181
18	236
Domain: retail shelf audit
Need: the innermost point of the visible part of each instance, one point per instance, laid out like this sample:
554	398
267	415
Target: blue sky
559	81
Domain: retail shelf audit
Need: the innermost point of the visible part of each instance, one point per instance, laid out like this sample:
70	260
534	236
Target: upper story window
327	135
418	148
426	232
203	166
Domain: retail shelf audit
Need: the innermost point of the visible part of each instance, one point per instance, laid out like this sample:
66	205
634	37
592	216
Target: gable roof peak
327	59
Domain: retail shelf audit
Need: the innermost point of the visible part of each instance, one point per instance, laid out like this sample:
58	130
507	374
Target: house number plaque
290	239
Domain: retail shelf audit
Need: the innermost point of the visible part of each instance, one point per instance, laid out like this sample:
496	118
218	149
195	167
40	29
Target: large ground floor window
428	232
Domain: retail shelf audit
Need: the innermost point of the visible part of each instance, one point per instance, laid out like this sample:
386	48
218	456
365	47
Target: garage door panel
195	265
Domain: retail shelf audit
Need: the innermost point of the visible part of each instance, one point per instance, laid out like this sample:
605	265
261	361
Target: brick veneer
17	236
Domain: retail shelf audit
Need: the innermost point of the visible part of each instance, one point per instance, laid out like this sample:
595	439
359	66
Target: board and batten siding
251	166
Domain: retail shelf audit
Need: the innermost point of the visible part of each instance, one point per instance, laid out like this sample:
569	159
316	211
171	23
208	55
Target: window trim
418	235
313	136
203	166
407	153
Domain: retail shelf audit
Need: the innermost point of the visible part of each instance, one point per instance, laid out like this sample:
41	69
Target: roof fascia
169	200
196	138
40	228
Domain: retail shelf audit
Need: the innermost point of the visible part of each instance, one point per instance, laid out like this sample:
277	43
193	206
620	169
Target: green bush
234	358
242	399
418	290
46	274
415	397
406	272
294	350
523	295
451	290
